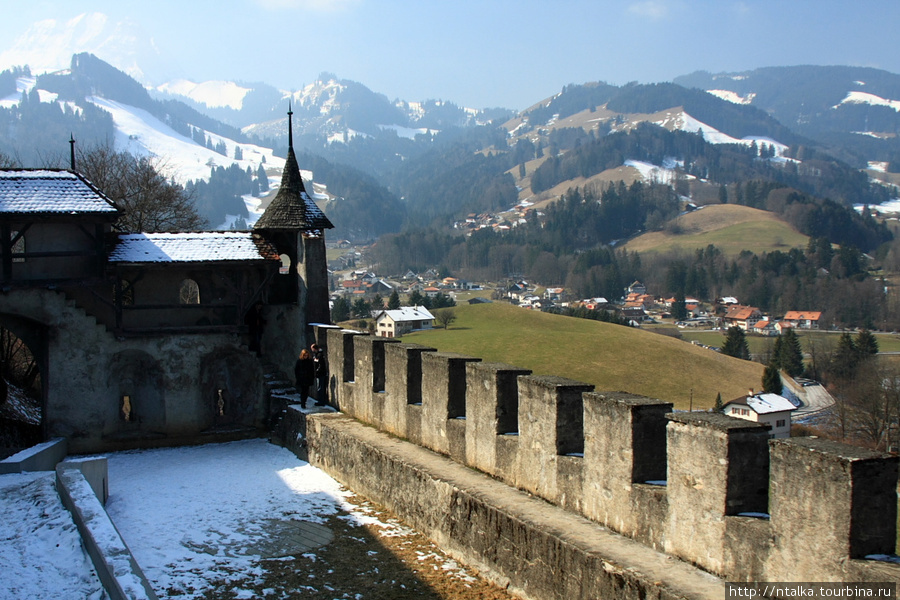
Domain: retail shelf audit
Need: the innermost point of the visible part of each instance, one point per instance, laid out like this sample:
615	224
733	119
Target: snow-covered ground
142	134
41	554
192	515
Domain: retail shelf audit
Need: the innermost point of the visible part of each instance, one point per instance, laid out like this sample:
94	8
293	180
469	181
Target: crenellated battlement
710	489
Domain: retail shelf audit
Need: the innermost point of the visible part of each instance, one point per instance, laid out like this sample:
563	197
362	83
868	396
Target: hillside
730	227
611	357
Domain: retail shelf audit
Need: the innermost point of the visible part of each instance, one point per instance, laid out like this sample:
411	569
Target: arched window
285	264
189	292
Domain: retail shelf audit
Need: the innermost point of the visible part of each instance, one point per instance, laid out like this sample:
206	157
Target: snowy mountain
330	108
853	110
442	159
48	46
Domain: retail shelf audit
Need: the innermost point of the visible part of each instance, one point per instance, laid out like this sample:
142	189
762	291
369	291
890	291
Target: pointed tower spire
290	126
292	208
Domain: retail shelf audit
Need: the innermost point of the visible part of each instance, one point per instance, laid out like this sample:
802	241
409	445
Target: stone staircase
280	393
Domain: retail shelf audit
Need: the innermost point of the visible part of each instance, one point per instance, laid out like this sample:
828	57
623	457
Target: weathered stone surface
830	502
492	409
717	466
625	444
443	396
539	550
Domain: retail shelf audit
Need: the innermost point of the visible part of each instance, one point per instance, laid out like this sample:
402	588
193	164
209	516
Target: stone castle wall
172	381
709	489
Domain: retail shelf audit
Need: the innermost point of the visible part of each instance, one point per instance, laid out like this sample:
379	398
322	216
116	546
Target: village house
744	317
765	326
556	295
769	409
636	287
395	323
802	319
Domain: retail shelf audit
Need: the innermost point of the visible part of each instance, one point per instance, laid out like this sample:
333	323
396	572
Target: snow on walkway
40	550
193	515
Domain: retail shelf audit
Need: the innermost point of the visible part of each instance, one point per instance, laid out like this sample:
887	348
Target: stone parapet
706	488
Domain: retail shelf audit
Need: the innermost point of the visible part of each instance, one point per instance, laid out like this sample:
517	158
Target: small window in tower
18	246
189	293
285	264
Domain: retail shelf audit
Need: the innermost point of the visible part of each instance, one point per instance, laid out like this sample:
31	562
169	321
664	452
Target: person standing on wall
304	374
321	369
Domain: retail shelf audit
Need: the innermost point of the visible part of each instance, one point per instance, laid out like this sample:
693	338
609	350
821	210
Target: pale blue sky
483	53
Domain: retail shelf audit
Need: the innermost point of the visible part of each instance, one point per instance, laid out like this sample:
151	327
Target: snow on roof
191	247
768	403
50	191
409	313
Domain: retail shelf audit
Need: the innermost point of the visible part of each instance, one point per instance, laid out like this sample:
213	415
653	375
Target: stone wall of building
709	489
181	388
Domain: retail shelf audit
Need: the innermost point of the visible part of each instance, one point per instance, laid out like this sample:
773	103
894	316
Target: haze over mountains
382	163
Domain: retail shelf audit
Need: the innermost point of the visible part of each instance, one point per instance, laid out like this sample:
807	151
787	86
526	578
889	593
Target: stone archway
23	359
137	385
231	385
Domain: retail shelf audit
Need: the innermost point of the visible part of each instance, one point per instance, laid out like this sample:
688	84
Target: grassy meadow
730	227
610	357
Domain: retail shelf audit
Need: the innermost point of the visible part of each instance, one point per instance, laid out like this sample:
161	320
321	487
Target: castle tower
296	227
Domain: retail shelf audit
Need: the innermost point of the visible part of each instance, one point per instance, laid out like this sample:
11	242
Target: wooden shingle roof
292	209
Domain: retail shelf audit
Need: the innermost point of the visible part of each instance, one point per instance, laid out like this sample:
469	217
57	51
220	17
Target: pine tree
771	380
845	358
340	310
416	299
736	344
719	404
866	344
790	359
394	301
263	177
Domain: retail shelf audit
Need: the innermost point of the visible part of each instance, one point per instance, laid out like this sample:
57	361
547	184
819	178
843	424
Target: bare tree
445	317
150	202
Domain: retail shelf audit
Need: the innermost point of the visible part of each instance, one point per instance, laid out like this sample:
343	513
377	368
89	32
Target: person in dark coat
304	374
321	362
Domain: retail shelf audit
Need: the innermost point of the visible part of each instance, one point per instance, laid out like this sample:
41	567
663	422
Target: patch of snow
214	94
650	172
41	555
733	97
866	98
891	207
190	514
877	165
409	133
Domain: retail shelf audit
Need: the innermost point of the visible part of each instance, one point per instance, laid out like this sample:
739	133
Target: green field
731	228
610	357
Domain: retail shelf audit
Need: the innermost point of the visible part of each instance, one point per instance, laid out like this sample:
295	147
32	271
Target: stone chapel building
142	338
